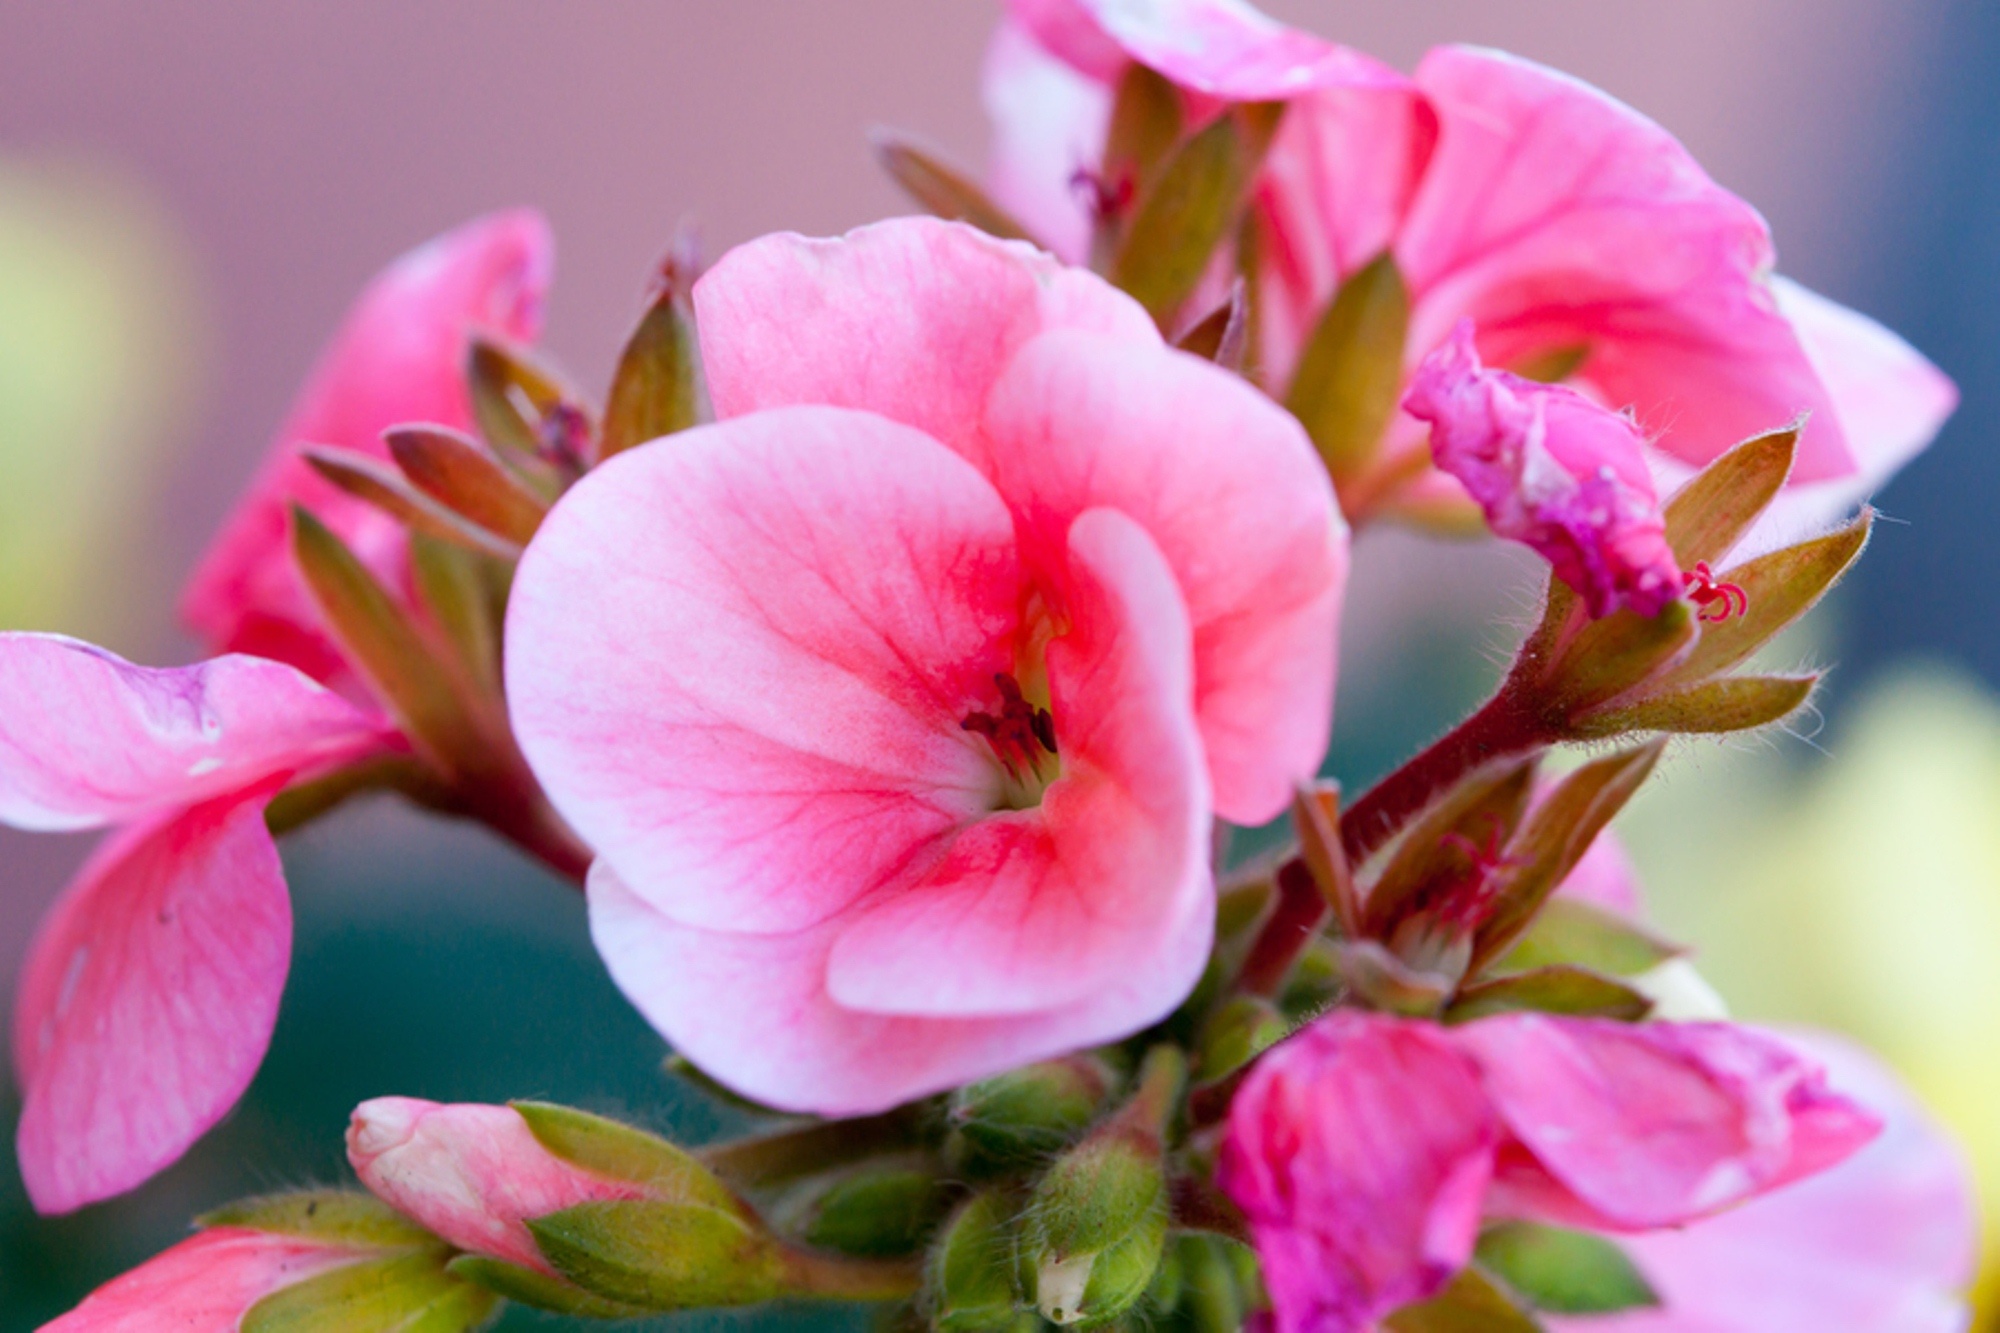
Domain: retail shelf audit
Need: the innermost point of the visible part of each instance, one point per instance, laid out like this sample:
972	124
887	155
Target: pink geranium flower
1366	1150
897	702
399	357
1552	470
1565	224
475	1175
205	1284
152	986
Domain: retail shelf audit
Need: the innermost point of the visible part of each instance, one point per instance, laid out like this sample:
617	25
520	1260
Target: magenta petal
1043	908
1882	1243
88	739
913	319
1359	1150
1633	1126
399	357
205	1284
754	1012
1229	487
148	998
738	661
1555	216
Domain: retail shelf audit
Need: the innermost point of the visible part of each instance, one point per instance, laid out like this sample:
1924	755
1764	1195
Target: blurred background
191	193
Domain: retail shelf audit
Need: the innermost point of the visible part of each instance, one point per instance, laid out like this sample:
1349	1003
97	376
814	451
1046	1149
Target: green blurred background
191	192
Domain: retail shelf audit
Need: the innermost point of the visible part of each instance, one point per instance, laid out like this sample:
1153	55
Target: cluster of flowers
883	659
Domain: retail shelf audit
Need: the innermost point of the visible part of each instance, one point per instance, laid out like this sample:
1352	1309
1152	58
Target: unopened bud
1030	1113
970	1279
1235	1034
875	1211
1098	1221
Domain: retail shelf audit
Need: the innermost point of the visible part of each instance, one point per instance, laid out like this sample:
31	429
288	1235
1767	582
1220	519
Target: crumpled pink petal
1060	391
1885	1242
205	1284
1552	470
472	1174
88	739
1625	1126
148	999
1359	1150
399	357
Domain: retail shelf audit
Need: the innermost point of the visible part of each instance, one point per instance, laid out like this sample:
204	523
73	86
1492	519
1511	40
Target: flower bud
1025	1115
1097	1223
875	1211
971	1282
1239	1030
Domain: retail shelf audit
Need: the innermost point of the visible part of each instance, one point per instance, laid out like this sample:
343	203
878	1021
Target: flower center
1023	738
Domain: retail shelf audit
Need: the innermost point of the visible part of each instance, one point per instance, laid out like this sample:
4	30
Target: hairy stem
788	1154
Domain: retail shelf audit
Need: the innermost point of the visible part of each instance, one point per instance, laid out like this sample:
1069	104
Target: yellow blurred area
1859	890
101	347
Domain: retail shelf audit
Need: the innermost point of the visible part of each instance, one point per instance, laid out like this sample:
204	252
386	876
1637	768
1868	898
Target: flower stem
1293	925
788	1154
836	1277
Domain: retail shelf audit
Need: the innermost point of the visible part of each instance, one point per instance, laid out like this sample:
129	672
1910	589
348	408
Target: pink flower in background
399	357
1566	225
1365	1150
205	1284
1552	470
151	988
893	702
472	1174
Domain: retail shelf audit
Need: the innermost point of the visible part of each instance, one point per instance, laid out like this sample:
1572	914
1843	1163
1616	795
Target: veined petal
738	661
914	319
205	1284
1633	1126
399	357
88	739
1229	487
1043	908
753	1011
148	999
1557	217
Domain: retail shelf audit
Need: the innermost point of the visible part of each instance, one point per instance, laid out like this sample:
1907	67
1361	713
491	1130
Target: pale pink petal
1048	124
1043	908
1555	216
754	1012
1633	1126
1359	1150
88	739
147	1000
399	357
1885	1242
1229	487
1605	878
739	661
1222	48
205	1284
914	319
472	1174
1552	470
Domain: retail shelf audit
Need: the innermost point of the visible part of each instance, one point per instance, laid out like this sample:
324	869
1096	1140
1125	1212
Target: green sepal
875	1211
525	1286
458	472
1710	514
1714	707
1350	371
383	486
942	189
1485	806
1240	1029
1553	365
662	1256
343	1216
1386	983
1147	119
610	1148
465	594
1028	1114
1473	1303
1609	658
410	1293
970	1279
1583	935
513	396
1561	989
1563	1271
657	389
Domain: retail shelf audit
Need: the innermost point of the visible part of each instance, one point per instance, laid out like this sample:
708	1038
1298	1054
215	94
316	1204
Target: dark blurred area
285	153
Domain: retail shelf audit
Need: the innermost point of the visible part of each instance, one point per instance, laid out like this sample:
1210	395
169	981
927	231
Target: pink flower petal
472	1174
400	356
914	319
780	1038
88	739
738	662
1554	215
1634	1126
148	998
205	1284
1229	487
1043	908
1360	1151
1882	1243
1605	878
1049	123
1222	48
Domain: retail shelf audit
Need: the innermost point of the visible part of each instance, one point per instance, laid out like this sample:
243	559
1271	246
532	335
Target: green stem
836	1277
789	1154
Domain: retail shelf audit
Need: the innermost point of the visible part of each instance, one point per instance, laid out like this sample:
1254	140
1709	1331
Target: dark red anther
1020	733
565	435
1713	600
1106	199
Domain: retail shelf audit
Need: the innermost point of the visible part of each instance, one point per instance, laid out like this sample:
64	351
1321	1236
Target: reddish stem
1293	924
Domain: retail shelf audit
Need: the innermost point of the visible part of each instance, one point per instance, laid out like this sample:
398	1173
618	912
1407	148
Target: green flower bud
971	1280
1237	1031
1028	1114
874	1211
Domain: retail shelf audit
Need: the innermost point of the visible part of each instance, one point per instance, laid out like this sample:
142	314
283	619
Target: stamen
1021	735
1714	601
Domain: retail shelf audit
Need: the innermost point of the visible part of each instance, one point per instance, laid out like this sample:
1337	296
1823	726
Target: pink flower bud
1552	470
473	1174
205	1284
